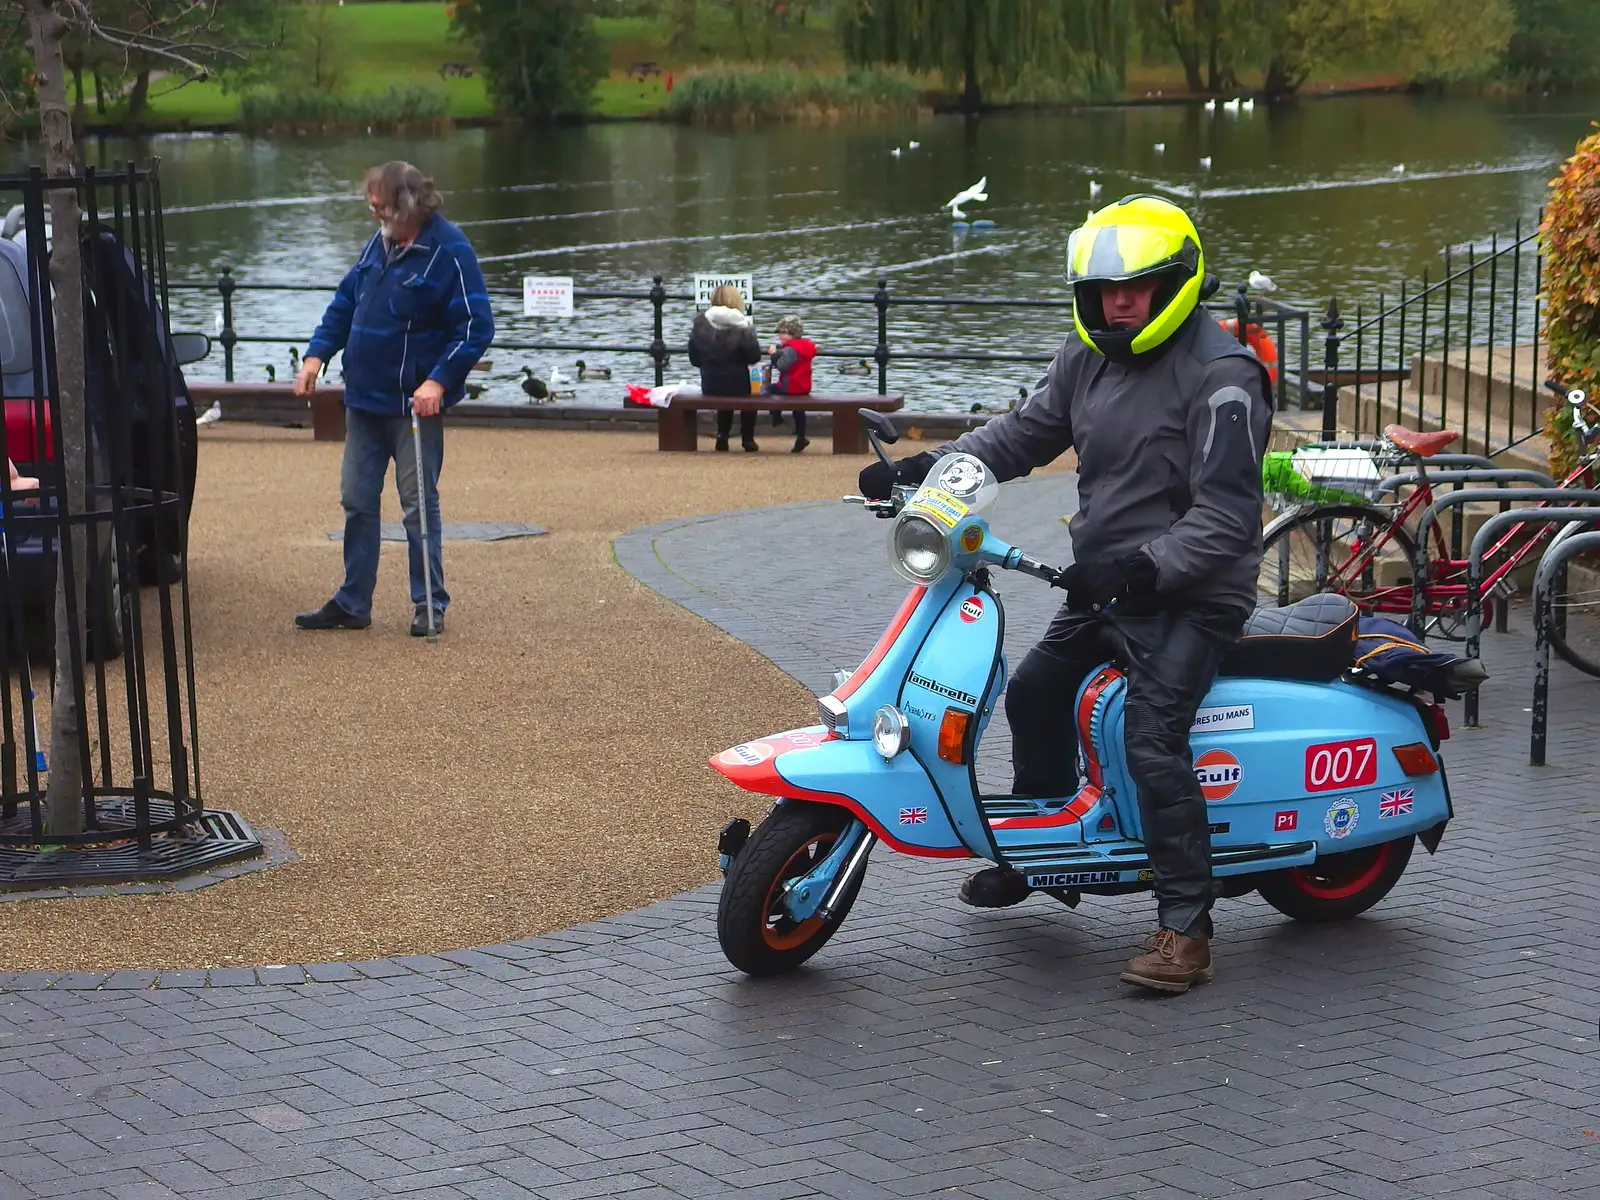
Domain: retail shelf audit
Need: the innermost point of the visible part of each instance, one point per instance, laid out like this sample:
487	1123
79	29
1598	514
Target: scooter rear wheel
756	934
1338	886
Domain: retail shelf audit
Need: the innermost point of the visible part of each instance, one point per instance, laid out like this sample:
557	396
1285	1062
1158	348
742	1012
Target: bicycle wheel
1351	549
1575	620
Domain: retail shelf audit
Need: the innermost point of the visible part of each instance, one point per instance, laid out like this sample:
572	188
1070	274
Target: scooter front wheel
1338	886
756	934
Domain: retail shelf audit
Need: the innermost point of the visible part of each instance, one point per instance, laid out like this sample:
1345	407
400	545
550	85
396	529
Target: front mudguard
895	799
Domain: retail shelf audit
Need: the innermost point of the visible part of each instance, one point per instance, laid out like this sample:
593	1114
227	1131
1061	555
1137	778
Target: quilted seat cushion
1313	639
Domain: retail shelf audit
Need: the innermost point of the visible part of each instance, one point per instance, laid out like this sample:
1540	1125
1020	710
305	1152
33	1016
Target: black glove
877	480
1090	586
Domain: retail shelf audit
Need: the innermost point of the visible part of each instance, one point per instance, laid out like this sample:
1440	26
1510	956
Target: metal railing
1289	326
1458	352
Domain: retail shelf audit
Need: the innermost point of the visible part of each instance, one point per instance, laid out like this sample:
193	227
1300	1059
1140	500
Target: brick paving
1444	1045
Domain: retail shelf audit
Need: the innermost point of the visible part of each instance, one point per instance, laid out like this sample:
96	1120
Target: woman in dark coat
723	345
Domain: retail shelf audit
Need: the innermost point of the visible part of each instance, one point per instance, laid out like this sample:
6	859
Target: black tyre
1338	886
1332	548
756	935
1575	621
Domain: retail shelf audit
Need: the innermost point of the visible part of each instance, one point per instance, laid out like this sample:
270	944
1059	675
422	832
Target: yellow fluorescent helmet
1135	237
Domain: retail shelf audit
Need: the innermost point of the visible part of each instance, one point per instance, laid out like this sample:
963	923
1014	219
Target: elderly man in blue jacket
412	317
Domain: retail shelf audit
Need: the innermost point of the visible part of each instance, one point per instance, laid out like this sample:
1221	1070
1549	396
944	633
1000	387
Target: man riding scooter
1169	416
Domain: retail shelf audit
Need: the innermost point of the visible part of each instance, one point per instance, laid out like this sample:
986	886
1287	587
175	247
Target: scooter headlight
891	733
921	549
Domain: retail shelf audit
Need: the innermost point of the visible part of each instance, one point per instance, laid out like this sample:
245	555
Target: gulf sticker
971	539
971	609
1219	774
750	754
941	506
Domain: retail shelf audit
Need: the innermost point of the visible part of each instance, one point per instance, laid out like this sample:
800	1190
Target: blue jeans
370	441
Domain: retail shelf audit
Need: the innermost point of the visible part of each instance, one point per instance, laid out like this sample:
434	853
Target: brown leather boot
1171	962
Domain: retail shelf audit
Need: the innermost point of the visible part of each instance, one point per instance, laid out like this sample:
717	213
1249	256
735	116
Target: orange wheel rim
777	929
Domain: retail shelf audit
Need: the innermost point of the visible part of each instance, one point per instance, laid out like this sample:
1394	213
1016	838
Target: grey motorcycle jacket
1169	457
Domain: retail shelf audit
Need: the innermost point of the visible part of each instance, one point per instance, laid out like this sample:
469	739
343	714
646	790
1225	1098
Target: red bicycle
1368	550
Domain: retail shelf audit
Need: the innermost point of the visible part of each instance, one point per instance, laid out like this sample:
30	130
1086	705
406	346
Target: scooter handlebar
1032	566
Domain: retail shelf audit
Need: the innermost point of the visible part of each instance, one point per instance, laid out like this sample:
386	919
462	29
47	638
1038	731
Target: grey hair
405	194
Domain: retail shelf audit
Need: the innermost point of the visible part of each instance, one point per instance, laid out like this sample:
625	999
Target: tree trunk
1188	48
972	92
685	26
99	92
64	799
139	97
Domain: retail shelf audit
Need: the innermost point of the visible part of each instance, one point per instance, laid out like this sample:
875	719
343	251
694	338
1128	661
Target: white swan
1206	162
1161	147
1262	283
1211	106
1095	189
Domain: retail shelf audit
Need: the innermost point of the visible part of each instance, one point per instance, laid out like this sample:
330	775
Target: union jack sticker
1395	804
913	816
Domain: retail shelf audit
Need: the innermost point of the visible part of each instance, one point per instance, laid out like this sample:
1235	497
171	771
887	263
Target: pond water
1342	196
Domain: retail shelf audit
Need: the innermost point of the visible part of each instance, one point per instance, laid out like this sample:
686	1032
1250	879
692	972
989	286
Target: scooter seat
1313	640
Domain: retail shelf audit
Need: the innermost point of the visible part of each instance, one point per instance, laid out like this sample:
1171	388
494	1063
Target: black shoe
997	887
800	444
330	616
722	445
419	621
750	446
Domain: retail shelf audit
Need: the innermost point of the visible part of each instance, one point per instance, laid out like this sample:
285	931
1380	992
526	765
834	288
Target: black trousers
1170	658
747	423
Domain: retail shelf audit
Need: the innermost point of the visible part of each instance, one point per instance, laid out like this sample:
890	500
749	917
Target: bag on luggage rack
1387	650
1321	474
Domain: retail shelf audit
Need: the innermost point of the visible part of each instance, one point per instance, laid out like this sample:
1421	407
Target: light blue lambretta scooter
1318	780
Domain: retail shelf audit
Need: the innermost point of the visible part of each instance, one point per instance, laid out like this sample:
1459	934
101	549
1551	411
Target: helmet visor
1104	253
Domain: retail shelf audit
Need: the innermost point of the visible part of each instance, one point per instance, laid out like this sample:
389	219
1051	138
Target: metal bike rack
1551	565
1492	475
1430	516
1575	517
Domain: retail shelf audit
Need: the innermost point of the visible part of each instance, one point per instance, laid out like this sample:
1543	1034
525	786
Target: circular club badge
750	754
1219	774
962	478
1341	819
971	609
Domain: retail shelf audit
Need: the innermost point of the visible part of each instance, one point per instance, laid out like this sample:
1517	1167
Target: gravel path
542	766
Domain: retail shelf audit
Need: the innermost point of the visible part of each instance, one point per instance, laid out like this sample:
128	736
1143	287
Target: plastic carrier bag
1321	474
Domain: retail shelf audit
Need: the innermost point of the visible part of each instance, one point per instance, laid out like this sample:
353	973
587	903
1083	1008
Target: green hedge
1572	288
408	106
735	94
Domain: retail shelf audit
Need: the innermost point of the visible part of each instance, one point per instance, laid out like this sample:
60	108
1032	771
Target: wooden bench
276	404
676	426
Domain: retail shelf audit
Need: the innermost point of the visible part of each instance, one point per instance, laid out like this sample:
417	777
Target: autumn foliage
1570	237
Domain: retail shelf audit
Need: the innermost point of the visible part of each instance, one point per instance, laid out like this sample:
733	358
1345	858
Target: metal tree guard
129	661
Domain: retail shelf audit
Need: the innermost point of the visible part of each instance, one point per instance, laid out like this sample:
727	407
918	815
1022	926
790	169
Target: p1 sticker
971	609
1342	766
1224	719
750	754
1285	822
1219	774
971	539
1342	818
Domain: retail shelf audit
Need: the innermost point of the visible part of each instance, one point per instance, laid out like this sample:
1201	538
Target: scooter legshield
894	799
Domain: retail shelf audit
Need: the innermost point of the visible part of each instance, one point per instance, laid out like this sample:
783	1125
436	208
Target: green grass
779	93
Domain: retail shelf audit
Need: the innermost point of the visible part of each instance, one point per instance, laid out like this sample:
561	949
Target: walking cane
422	516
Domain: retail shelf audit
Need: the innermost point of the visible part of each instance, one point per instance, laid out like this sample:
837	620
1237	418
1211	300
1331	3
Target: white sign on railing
704	285
549	296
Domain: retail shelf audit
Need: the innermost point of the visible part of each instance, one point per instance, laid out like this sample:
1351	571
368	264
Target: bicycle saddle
1312	640
1423	445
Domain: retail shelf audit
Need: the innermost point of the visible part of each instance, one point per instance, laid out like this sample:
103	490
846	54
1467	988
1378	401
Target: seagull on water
211	415
1262	283
1094	189
1206	162
1399	168
895	152
1161	147
913	145
1211	106
556	377
974	193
